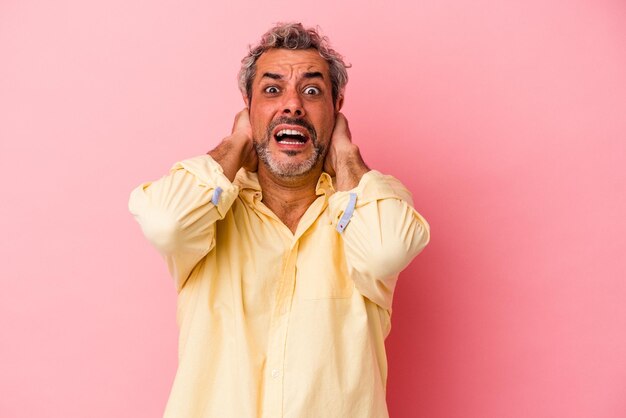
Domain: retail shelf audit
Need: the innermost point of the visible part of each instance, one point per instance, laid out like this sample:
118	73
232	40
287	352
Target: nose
292	105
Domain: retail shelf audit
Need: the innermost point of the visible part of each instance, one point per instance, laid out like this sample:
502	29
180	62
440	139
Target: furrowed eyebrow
273	76
314	74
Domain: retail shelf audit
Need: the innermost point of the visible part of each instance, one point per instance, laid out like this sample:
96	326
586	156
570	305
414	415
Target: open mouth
290	136
294	136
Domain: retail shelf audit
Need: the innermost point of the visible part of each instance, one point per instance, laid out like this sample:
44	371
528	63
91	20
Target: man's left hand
343	160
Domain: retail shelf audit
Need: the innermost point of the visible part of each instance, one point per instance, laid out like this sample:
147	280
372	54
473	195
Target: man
285	248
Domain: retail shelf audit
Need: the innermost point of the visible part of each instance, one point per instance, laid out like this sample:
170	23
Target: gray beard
288	169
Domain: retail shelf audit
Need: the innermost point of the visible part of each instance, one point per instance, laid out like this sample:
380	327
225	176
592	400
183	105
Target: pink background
505	118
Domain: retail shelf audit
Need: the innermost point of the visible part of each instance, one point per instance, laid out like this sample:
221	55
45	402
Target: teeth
289	132
291	142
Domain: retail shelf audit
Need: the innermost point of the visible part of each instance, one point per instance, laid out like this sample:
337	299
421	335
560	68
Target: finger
341	126
242	120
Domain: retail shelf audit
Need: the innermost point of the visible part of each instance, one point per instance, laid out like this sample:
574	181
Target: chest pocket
321	270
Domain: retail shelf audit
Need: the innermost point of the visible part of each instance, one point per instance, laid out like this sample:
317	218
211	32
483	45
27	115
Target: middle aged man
285	249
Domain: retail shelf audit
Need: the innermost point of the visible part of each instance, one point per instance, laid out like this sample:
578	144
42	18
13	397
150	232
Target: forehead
291	63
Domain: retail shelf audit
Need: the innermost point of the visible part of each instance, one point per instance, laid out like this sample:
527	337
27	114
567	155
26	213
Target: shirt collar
249	186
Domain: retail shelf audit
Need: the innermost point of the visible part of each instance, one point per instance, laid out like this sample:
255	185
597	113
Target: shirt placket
275	370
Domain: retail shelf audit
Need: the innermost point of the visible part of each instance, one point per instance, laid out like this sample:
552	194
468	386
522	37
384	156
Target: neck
288	197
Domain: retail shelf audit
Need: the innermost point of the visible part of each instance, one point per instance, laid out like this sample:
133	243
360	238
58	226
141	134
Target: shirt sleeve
381	233
177	213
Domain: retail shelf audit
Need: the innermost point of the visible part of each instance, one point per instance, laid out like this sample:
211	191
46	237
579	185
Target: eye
312	90
271	90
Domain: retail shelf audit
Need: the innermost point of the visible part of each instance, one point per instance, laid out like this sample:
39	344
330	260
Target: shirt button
275	373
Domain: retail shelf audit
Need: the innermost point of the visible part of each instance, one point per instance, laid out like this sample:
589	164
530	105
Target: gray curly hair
294	36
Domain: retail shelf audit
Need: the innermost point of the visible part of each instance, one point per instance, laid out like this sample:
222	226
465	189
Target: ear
339	103
246	100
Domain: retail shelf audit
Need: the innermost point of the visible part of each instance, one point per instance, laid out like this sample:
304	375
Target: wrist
347	151
349	167
230	154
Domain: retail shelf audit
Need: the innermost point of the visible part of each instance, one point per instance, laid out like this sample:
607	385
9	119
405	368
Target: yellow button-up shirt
272	323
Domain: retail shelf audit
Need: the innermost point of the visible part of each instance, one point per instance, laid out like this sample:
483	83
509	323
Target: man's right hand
242	131
237	150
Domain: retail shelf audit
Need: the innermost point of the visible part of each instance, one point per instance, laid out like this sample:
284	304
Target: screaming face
292	113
